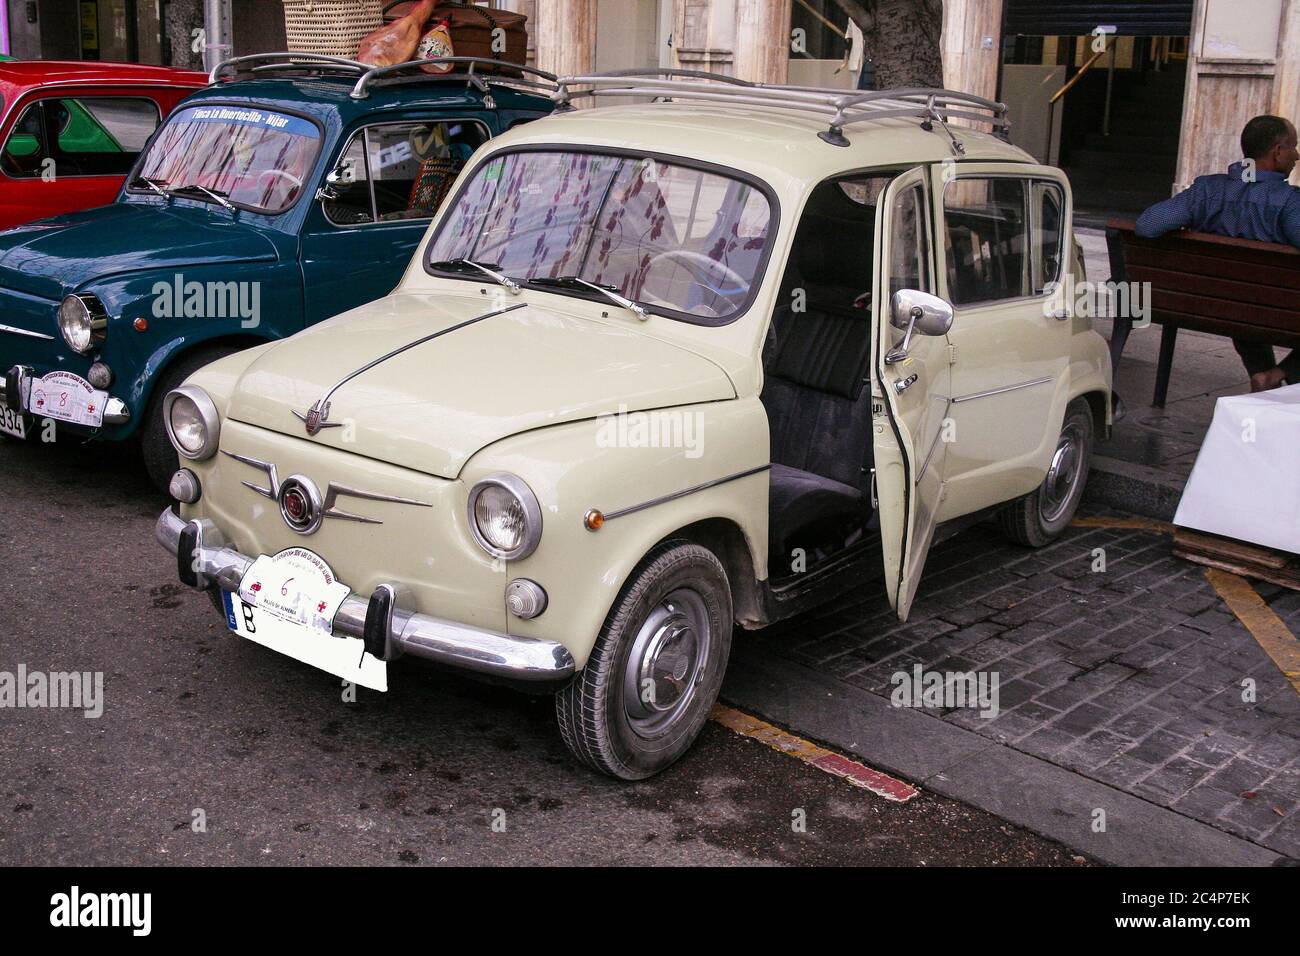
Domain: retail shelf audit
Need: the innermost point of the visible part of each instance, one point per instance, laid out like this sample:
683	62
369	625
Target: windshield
255	158
680	241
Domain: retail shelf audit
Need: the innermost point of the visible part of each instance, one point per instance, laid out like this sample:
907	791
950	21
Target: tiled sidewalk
1132	676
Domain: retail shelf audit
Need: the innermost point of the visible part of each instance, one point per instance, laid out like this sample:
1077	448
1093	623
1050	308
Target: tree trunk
902	38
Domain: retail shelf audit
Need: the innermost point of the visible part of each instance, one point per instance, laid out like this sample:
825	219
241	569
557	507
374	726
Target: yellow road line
1269	630
858	774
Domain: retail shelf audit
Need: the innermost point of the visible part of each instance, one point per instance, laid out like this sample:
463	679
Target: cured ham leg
396	42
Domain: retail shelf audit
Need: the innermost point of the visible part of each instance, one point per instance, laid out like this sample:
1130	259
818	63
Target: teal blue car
289	190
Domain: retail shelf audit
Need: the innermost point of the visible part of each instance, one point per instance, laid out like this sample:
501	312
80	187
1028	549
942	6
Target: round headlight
505	517
192	422
82	322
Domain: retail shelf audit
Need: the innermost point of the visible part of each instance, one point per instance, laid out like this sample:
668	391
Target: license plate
12	422
67	398
287	603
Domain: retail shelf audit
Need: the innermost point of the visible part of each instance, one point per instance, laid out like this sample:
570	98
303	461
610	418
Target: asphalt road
284	771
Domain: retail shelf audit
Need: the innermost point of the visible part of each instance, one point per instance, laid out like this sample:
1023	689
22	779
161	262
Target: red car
71	131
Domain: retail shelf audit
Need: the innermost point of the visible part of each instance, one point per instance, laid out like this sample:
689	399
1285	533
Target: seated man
1245	204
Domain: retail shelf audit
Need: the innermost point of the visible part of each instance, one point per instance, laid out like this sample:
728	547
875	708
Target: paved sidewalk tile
1114	660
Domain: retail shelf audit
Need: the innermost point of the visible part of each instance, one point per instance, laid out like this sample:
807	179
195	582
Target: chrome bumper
380	621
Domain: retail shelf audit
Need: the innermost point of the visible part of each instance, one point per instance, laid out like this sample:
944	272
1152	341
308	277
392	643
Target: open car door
910	383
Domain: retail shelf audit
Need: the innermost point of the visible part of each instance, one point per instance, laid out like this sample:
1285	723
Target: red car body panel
25	82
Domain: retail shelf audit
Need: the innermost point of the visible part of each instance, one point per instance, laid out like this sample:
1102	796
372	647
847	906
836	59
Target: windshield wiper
460	265
608	291
154	184
214	193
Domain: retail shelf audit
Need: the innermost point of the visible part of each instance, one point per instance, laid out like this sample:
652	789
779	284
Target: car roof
29	73
328	97
778	145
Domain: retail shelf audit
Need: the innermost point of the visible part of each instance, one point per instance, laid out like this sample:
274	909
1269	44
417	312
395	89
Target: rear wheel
655	671
1041	516
160	458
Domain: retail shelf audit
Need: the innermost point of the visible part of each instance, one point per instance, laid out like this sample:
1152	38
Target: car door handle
1061	314
905	384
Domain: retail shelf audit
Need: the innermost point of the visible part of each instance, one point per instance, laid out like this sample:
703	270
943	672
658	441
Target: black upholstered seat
816	369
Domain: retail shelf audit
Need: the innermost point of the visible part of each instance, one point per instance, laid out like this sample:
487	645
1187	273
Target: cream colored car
655	371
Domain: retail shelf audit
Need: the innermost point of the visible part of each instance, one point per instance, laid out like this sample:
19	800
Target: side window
85	136
402	171
25	151
986	239
1049	211
908	243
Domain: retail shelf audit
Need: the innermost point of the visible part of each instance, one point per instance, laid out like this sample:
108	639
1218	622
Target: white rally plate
11	421
68	398
287	603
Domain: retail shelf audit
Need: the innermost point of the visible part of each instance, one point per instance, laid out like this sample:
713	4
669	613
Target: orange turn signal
593	520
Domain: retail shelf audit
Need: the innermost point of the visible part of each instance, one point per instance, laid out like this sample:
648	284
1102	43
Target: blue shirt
1223	203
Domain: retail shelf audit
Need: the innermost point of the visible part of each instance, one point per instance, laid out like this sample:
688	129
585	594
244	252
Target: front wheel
656	668
1040	517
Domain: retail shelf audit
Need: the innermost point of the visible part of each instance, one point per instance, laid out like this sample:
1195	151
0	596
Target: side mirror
915	312
336	177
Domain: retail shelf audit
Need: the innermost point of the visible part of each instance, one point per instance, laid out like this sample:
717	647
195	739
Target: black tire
677	581
1040	517
160	458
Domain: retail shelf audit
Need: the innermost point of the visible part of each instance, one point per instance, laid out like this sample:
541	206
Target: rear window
79	136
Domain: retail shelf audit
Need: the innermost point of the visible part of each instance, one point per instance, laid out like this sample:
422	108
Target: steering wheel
729	275
297	182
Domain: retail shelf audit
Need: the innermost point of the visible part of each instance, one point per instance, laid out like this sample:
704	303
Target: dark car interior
816	365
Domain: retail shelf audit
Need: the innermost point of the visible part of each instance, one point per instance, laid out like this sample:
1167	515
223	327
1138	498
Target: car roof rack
843	107
289	64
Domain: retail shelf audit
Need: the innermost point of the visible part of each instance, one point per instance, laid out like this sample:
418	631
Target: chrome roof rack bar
288	62
843	107
480	80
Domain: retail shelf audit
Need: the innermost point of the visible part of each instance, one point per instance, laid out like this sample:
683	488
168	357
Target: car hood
52	257
434	405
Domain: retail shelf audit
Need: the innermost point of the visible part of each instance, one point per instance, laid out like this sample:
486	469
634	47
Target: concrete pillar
762	40
566	36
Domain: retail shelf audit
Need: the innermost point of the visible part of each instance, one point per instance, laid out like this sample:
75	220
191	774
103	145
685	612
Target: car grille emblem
301	505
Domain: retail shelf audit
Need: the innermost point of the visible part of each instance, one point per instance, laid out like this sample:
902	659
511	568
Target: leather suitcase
472	27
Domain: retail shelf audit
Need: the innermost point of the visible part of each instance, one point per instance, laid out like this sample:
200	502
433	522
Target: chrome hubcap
667	663
1062	474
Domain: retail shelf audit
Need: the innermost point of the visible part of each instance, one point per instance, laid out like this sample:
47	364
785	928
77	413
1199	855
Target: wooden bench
1233	287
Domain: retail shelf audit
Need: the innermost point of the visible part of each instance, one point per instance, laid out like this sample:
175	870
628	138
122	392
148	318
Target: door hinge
952	355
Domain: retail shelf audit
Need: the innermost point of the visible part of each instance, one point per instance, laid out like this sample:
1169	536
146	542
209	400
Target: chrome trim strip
35	335
333	492
322	405
420	635
610	515
273	491
999	391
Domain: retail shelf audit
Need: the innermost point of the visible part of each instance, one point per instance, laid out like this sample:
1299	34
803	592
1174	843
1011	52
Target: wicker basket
330	27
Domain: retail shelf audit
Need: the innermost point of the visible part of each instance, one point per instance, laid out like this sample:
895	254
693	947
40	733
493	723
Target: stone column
566	36
972	46
763	40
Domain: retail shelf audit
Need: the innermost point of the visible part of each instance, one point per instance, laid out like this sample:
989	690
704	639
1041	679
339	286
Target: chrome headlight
83	322
505	517
192	422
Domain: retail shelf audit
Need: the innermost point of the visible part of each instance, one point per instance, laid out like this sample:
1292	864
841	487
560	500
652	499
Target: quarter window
82	136
401	171
1049	207
908	267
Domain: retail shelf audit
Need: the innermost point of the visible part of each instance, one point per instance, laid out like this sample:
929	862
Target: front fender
182	310
586	465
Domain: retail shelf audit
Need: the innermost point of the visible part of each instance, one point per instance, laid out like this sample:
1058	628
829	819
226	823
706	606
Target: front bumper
204	560
17	393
